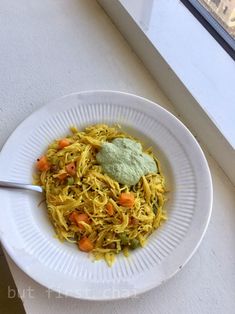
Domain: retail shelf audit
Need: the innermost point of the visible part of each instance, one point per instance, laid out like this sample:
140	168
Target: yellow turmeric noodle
89	208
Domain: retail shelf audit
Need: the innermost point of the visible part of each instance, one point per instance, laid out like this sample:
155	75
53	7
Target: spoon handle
15	185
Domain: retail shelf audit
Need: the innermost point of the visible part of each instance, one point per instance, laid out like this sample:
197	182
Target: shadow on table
8	303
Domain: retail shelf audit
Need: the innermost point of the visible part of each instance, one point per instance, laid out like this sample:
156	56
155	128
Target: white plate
28	236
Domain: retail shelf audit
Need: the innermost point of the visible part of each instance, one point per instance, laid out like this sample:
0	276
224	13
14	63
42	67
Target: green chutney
124	161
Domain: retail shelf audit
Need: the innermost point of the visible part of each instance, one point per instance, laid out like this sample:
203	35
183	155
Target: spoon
16	185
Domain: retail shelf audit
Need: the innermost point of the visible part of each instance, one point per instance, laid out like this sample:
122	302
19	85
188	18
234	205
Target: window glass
223	11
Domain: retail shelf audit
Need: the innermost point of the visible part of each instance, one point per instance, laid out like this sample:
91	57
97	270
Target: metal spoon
16	185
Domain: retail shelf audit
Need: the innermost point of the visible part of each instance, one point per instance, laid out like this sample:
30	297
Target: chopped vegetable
85	245
124	239
77	218
53	160
63	143
127	200
70	181
73	216
134	243
82	217
71	168
110	209
42	163
62	176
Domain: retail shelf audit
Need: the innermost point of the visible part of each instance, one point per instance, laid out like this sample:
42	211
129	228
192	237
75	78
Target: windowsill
189	65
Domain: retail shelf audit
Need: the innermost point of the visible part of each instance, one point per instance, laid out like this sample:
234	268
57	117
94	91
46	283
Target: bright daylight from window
223	11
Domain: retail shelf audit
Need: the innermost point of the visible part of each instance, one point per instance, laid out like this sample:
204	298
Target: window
223	11
218	16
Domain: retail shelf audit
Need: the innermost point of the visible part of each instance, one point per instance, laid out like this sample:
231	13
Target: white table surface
54	47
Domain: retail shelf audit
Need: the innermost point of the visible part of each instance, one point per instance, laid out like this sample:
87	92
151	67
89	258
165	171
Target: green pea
54	146
124	239
134	243
53	160
70	181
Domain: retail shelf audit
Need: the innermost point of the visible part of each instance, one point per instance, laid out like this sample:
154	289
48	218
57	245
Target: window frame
212	25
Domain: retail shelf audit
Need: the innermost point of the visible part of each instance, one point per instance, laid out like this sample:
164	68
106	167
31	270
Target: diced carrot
71	168
63	143
85	244
62	176
77	218
110	209
82	217
42	164
126	199
73	216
